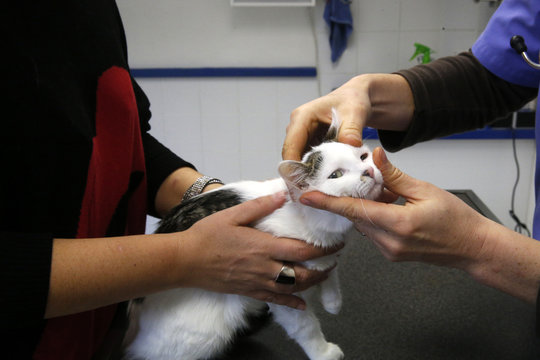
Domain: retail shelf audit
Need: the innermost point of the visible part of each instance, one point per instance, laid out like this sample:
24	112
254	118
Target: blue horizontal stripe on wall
225	72
485	133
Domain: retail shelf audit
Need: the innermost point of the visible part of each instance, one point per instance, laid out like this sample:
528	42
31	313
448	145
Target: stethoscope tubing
518	44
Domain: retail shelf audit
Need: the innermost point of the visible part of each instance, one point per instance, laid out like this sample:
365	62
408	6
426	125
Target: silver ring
286	276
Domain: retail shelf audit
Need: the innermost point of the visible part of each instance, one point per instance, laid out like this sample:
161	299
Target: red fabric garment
115	198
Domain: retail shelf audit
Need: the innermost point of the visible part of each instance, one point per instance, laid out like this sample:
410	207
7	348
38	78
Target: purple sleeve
493	50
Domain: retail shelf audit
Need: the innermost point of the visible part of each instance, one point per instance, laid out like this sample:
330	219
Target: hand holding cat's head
333	168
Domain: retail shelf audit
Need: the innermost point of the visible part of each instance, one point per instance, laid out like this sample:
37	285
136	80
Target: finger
297	136
390	245
304	279
253	210
303	124
378	214
352	123
291	301
394	179
348	207
387	197
296	251
294	145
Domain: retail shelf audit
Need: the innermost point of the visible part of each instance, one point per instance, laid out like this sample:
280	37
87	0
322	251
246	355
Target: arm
219	253
453	234
509	262
173	188
449	95
90	273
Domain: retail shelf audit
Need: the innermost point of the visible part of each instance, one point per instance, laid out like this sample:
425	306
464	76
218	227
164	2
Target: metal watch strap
198	186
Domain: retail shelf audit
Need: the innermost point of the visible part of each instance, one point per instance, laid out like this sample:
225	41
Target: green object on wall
423	51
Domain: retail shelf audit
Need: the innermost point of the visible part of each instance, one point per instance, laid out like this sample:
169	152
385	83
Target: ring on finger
286	275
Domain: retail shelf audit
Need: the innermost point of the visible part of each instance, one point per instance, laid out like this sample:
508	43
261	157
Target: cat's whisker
365	213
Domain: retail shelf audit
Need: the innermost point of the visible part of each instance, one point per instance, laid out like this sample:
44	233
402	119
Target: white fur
197	324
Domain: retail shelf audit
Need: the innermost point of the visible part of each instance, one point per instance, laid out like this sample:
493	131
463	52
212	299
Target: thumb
253	210
394	179
350	131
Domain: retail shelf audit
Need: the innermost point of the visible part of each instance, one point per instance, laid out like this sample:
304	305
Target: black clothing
67	74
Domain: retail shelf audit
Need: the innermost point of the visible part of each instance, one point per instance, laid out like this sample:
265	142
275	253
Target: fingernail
352	139
301	306
383	156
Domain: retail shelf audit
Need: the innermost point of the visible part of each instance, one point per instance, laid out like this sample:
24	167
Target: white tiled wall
233	128
385	32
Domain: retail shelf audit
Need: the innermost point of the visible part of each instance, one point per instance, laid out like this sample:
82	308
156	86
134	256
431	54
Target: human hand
382	101
222	253
309	122
433	226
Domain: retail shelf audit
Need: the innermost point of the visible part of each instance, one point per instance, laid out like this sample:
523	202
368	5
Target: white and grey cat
198	324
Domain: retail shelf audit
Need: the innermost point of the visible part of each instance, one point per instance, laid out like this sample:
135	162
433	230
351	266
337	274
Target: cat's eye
336	174
364	156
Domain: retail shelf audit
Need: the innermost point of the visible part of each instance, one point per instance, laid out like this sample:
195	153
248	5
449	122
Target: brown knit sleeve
454	94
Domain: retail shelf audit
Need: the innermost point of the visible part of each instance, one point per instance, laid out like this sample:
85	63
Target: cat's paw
332	306
332	352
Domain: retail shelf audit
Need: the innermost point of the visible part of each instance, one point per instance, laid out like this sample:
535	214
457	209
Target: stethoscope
518	43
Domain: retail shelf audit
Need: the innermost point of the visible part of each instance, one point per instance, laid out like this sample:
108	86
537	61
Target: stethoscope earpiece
518	44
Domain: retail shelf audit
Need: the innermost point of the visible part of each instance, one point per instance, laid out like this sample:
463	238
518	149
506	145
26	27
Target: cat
198	324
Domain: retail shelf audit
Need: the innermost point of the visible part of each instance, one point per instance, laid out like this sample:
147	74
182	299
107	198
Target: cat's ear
295	174
333	130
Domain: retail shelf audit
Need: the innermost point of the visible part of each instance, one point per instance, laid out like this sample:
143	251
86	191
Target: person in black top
79	174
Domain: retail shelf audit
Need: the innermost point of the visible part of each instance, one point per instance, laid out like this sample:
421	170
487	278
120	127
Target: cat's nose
368	172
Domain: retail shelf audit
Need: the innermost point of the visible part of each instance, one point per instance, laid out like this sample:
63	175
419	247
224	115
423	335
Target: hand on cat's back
228	256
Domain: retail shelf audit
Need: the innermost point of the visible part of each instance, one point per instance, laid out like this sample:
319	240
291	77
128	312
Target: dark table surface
409	311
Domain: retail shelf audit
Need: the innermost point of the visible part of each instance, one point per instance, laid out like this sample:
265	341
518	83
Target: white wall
385	32
233	128
211	33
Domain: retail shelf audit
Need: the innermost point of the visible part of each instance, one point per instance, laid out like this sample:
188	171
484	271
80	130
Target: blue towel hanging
337	15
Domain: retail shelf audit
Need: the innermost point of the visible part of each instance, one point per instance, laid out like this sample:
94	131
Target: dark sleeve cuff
160	163
25	261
